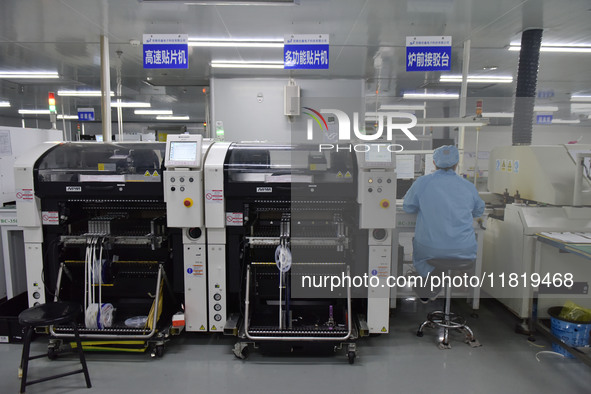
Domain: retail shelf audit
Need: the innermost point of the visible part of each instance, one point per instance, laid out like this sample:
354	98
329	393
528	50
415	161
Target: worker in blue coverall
445	205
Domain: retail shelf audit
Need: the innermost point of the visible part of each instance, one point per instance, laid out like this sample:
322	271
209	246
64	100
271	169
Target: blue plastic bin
573	333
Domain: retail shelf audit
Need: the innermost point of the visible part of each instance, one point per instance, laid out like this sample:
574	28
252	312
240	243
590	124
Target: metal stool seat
45	315
446	319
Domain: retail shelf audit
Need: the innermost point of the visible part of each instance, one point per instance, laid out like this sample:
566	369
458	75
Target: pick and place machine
540	189
275	214
95	231
230	227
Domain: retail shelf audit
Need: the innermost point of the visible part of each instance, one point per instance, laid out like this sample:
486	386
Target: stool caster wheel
419	334
444	346
351	356
474	315
531	338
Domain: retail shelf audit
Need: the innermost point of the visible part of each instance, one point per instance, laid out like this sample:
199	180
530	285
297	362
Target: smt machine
276	214
544	189
95	230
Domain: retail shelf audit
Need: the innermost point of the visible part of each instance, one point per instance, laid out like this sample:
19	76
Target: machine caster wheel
241	351
157	352
52	353
351	356
419	334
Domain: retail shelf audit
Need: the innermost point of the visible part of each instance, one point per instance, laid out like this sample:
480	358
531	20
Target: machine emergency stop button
188	202
384	203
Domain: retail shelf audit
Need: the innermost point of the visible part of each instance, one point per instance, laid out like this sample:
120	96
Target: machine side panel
217	287
539	173
215	215
505	260
378	300
35	288
195	274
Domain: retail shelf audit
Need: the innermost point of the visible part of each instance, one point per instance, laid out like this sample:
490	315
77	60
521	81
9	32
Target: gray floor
396	363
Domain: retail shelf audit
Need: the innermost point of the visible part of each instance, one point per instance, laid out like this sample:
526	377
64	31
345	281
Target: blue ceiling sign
166	51
428	53
306	52
86	114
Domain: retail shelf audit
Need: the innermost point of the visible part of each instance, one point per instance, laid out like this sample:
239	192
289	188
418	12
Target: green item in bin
575	313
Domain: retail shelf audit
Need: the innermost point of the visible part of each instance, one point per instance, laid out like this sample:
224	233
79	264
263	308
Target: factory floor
396	363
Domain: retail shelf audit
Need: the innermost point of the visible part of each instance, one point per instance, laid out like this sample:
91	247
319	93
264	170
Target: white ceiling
63	35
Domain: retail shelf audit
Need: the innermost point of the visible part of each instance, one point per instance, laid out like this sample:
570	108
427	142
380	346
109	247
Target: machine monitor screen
98	137
183	150
378	156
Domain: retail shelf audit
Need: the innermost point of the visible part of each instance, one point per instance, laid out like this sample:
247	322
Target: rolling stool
446	319
45	315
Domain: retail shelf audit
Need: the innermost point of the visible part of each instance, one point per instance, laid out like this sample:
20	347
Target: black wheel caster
351	356
419	334
245	353
531	338
52	353
158	351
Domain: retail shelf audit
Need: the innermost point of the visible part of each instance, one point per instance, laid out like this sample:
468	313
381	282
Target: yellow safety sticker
509	166
101	166
213	328
202	327
147	173
503	166
348	174
312	167
155	173
384	329
339	174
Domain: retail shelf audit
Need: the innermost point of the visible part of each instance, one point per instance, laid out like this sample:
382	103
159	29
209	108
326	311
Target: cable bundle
95	317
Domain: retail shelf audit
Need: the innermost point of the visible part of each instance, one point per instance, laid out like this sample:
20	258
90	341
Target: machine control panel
182	192
377	198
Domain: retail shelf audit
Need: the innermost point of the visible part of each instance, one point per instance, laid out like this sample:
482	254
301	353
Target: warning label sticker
214	196
24	195
234	218
50	218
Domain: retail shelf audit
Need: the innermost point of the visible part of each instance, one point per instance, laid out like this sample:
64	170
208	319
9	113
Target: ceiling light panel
153	112
431	96
29	74
81	93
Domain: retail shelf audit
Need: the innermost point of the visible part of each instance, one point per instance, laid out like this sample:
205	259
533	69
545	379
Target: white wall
252	109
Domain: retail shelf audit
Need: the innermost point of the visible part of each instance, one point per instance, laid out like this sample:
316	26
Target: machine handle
104	188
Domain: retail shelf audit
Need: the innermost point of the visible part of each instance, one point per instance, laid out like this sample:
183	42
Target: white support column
463	97
105	89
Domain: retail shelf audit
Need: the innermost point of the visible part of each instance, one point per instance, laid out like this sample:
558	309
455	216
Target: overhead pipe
525	93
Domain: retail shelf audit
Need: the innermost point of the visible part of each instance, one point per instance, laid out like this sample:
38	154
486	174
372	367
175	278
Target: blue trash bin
573	333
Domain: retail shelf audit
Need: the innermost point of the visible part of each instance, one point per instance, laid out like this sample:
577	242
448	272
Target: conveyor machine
545	189
277	214
95	230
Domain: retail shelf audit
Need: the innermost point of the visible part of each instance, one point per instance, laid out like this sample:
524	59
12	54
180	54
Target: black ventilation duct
527	78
